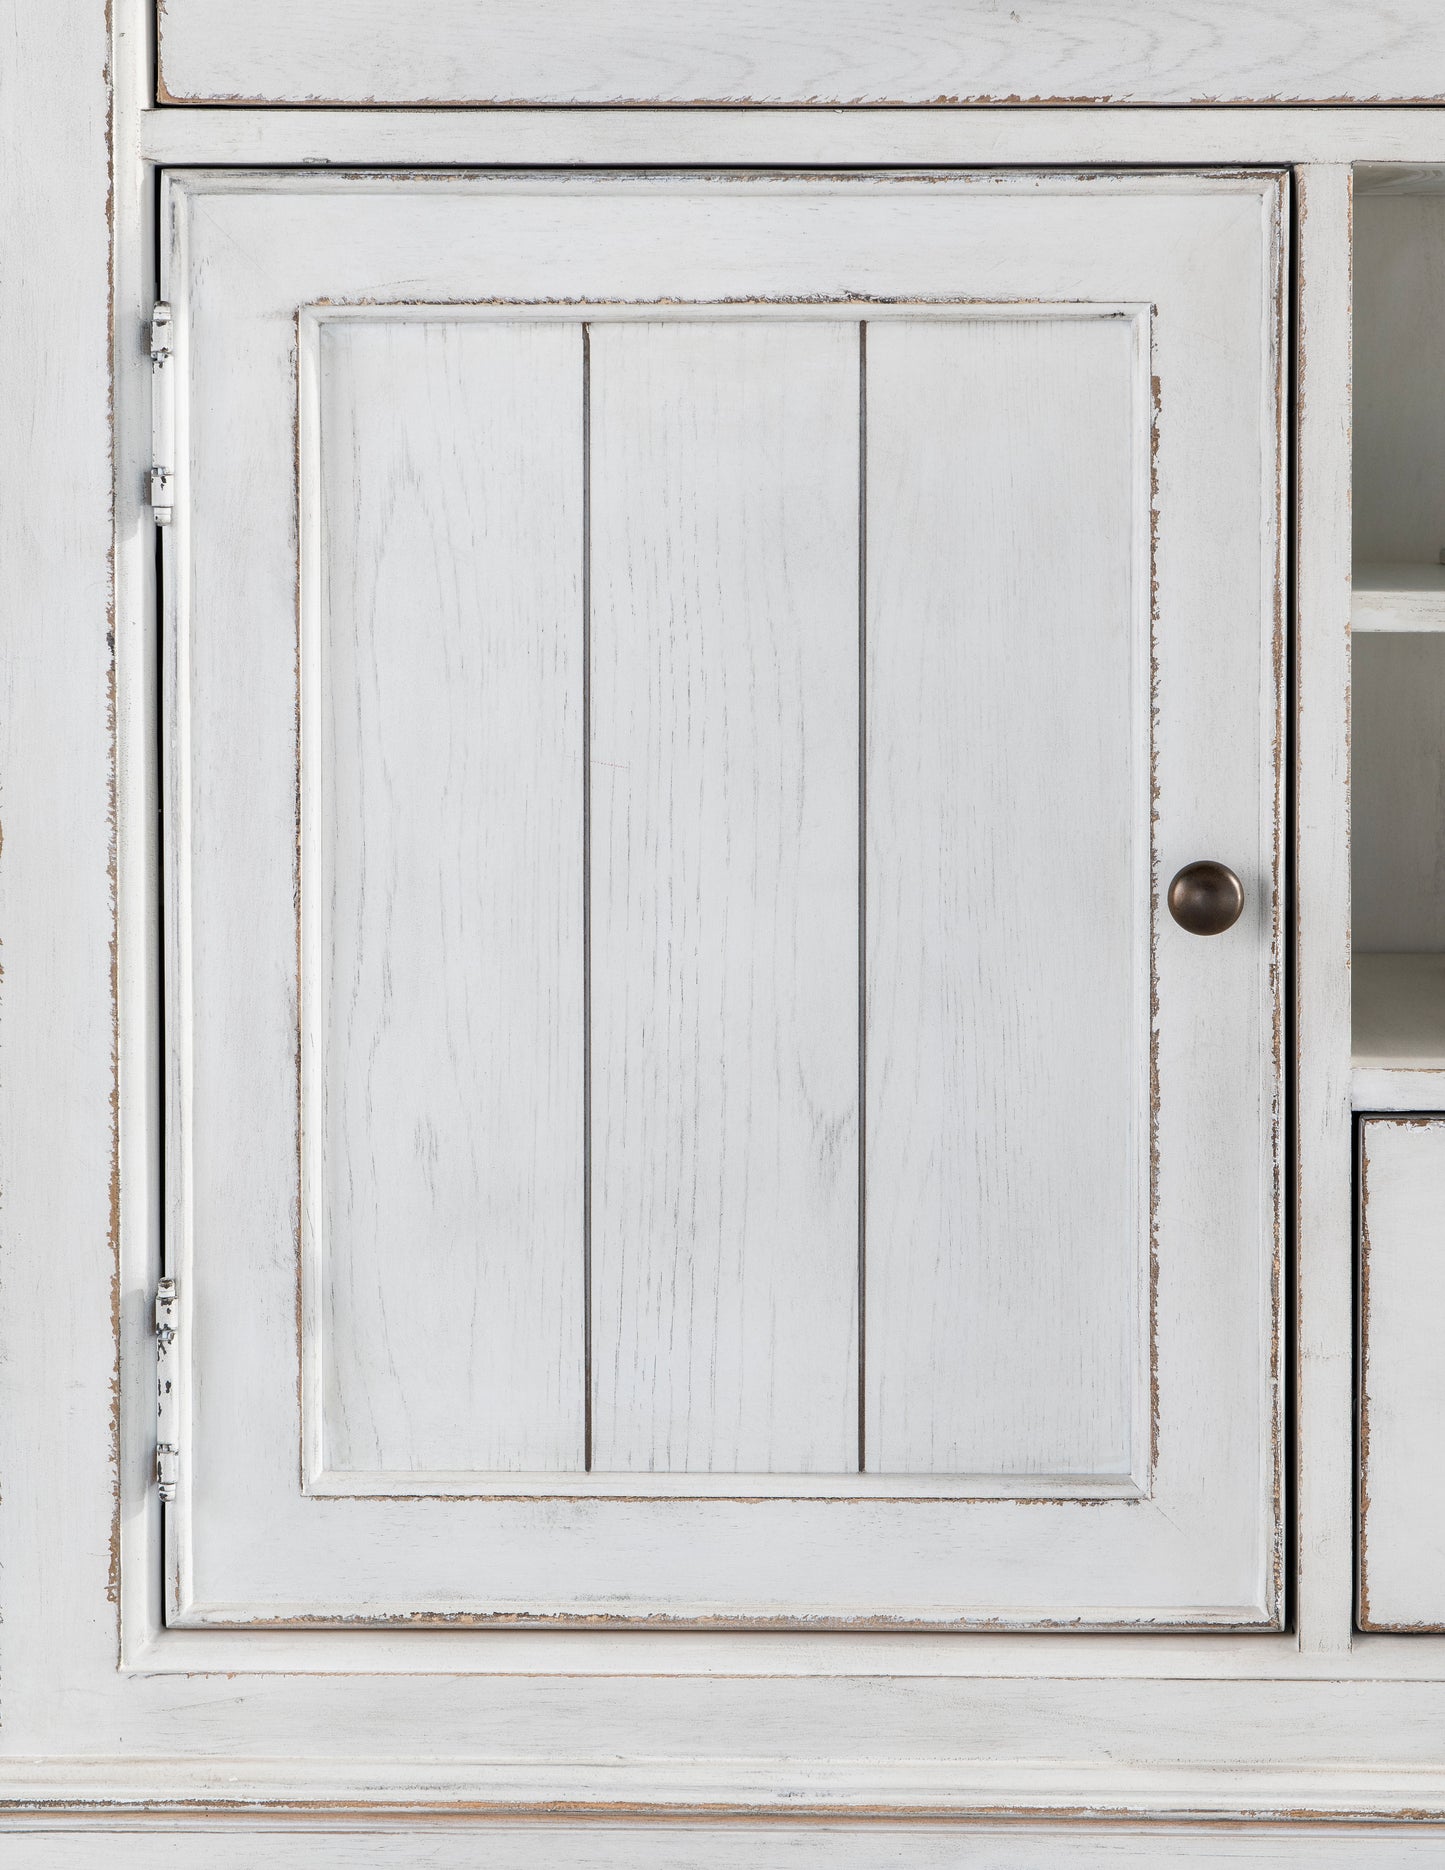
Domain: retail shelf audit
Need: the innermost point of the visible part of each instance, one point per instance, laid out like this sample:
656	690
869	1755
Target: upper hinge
163	417
168	1450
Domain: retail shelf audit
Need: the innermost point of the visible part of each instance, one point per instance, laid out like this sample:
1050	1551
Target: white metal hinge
168	1451
163	417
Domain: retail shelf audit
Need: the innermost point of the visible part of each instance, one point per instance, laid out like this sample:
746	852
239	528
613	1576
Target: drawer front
1402	1373
747	52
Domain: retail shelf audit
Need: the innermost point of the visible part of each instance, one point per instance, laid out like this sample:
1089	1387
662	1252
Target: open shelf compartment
1398	613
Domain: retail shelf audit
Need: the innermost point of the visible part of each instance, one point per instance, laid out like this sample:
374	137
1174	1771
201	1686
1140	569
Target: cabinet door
685	695
1402	1377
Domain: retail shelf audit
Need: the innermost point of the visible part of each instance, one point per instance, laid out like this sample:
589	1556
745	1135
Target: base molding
397	1793
317	1842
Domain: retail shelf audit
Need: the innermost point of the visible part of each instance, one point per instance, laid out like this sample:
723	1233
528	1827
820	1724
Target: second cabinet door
685	695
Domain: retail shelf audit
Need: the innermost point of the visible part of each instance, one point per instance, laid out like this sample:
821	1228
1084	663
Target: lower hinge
168	1451
163	417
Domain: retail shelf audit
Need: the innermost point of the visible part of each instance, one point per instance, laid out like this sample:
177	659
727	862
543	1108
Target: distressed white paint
1397	793
295	1845
1202	1546
1402	1375
1008	897
442	895
859	51
878	136
724	961
1398	596
1323	1351
1397	1087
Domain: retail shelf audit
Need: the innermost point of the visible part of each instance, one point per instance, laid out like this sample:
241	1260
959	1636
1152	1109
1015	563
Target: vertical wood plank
724	503
61	1126
1007	912
444	1152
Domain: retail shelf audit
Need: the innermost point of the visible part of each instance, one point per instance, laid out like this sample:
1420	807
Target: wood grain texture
724	972
1397	793
1398	596
442	898
1008	897
1402	1375
860	51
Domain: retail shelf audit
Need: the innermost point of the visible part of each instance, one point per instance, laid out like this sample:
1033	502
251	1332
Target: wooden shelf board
1399	1032
1404	1091
1398	596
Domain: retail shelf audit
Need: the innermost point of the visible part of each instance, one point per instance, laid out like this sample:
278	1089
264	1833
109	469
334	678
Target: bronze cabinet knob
1206	898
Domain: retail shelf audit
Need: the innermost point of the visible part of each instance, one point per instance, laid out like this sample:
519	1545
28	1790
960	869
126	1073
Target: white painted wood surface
1323	1358
1397	793
1402	1374
1398	596
1008	897
442	895
724	465
862	51
1397	1087
1204	1545
278	137
292	1846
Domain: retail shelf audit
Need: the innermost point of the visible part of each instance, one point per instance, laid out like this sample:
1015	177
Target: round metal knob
1206	898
